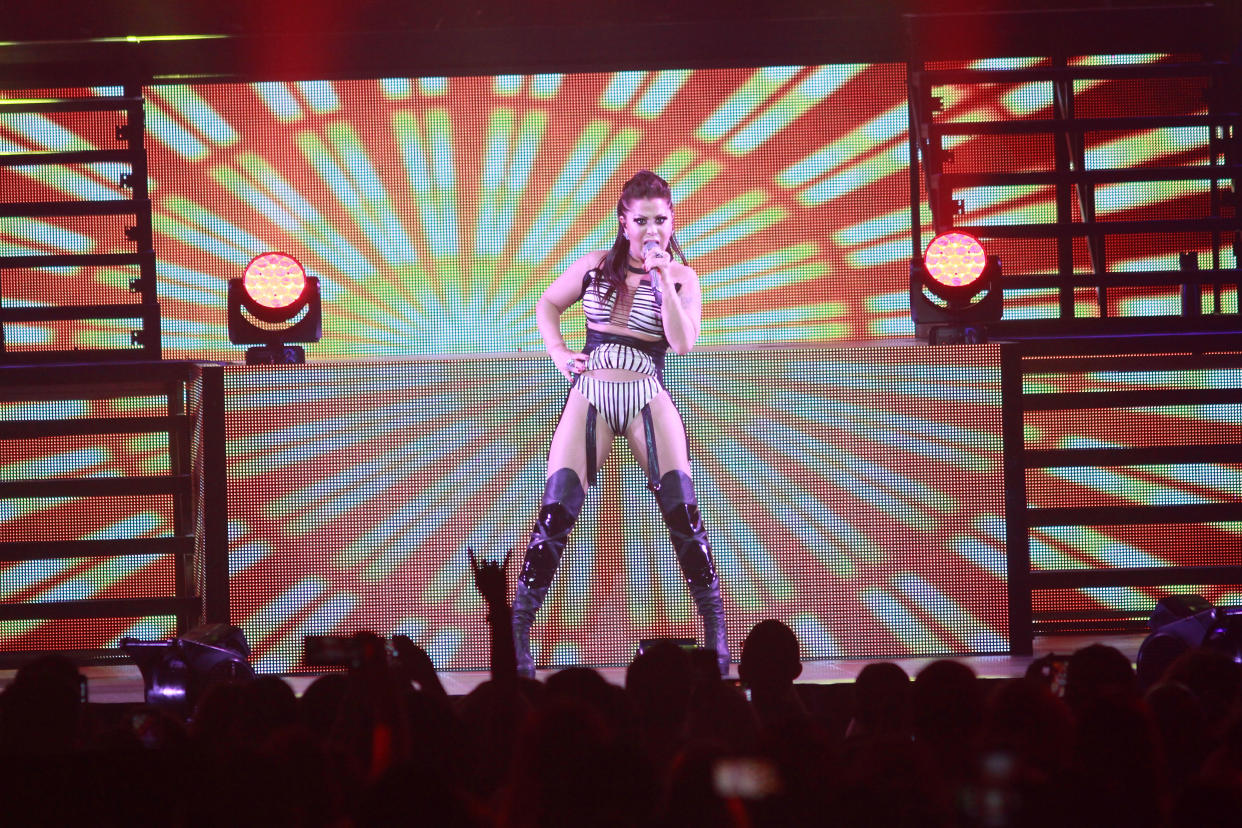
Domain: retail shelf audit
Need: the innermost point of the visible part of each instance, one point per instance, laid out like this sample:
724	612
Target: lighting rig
274	303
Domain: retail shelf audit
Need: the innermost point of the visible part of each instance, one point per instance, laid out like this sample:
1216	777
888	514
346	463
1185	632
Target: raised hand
491	579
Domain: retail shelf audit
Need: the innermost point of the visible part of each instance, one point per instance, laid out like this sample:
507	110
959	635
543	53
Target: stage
855	493
869	491
122	684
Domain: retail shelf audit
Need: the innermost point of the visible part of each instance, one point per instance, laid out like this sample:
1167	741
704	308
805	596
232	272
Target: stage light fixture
954	290
176	672
1181	623
273	304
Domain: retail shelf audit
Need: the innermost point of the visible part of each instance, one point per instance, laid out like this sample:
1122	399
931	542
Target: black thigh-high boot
563	496
680	510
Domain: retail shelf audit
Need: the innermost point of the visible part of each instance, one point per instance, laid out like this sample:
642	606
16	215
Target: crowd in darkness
384	745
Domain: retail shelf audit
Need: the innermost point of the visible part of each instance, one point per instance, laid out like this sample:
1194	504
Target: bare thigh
670	437
568	448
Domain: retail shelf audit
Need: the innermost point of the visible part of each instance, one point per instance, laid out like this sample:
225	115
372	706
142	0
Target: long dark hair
644	184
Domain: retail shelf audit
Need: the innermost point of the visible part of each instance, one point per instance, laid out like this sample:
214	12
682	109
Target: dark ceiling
73	41
76	19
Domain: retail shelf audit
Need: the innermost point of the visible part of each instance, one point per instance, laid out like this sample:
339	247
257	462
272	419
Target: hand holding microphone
654	260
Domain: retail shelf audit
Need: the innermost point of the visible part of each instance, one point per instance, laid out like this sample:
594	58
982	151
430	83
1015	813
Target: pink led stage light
275	280
955	259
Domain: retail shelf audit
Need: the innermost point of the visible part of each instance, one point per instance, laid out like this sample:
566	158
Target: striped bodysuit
621	401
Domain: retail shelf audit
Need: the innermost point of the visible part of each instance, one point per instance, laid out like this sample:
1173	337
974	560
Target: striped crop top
645	316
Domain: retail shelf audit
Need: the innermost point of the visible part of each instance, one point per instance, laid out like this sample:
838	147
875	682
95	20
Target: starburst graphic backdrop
822	478
853	493
435	210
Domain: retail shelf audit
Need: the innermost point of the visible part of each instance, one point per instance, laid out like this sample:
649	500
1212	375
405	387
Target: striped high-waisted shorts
619	401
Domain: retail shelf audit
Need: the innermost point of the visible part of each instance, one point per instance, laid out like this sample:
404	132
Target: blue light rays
819	84
911	631
196	112
428	156
757	89
358	188
973	633
593	160
660	92
279	100
507	161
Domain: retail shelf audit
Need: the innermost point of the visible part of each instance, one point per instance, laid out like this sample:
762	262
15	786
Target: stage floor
122	684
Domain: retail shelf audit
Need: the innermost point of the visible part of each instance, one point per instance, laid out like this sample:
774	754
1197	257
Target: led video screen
848	492
434	211
854	493
1135	546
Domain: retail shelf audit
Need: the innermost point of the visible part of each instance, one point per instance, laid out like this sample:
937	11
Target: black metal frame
194	425
1074	183
1137	355
209	461
146	338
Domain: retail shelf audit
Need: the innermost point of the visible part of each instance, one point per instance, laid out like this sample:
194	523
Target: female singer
638	303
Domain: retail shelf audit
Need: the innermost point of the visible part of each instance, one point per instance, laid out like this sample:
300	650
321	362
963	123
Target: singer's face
647	219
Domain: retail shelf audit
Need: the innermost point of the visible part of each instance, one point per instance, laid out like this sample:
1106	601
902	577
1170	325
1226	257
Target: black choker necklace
633	269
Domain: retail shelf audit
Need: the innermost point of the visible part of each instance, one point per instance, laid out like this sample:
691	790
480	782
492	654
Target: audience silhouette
384	745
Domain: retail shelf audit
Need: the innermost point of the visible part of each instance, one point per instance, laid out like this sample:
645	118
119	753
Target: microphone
648	246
